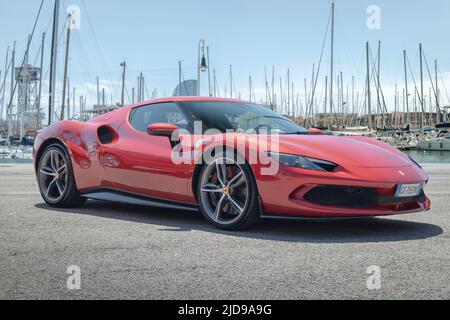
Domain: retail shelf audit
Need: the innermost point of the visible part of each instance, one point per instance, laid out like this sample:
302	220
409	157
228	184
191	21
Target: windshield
241	116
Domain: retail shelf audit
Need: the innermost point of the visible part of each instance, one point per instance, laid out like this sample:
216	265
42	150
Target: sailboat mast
438	108
332	58
66	65
250	88
326	102
380	112
209	71
408	118
288	92
231	81
124	70
38	122
273	88
9	107
421	86
369	105
215	83
4	84
51	101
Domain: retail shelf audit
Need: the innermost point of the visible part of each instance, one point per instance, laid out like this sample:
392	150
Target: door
142	164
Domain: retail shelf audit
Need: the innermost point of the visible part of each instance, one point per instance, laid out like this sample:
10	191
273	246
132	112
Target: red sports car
236	161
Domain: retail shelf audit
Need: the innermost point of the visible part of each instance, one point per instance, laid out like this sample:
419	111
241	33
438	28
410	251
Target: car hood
345	151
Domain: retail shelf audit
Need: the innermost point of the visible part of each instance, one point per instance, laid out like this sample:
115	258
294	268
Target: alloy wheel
53	175
224	191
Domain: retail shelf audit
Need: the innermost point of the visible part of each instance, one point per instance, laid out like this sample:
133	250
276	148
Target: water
429	156
10	161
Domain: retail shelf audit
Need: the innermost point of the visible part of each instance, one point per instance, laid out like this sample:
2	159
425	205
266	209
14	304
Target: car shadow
370	230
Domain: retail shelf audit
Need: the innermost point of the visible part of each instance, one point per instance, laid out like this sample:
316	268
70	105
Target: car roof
127	109
185	99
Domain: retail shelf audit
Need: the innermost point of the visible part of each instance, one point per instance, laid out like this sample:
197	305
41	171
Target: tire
234	214
56	180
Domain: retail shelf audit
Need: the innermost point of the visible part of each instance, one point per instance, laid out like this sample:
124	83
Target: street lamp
202	65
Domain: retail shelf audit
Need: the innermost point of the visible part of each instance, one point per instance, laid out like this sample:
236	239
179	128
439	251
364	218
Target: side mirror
162	130
315	131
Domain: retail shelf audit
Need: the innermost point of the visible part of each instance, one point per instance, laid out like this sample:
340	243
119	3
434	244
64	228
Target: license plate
409	190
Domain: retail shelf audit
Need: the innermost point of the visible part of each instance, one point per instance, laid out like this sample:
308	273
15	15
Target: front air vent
339	196
354	197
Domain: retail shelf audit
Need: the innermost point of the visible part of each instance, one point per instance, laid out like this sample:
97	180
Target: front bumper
285	194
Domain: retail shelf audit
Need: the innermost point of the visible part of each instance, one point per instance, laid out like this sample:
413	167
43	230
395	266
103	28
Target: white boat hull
435	145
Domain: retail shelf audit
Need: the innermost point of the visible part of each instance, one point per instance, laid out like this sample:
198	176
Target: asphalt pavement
128	252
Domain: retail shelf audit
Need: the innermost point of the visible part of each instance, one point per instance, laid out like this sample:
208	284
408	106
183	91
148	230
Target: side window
144	116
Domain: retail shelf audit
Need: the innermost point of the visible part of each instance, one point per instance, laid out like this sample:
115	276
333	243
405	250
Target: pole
98	91
74	101
292	99
266	86
142	87
4	84
81	109
9	109
332	58
378	83
124	69
138	93
68	99
231	81
353	94
66	65
209	72
180	78
38	120
199	66
306	102
23	109
51	102
215	83
369	106
438	108
421	86
250	88
408	118
394	118
326	102
274	105
342	99
289	92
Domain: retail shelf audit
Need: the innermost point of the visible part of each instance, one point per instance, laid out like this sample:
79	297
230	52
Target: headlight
303	162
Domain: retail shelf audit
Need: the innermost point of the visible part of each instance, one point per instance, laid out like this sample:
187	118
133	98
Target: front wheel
228	194
56	179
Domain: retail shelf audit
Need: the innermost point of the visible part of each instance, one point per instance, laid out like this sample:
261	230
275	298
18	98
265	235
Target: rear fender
82	144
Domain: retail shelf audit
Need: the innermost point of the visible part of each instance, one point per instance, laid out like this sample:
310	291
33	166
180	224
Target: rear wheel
228	194
56	180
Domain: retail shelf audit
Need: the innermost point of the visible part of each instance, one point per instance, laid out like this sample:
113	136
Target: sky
152	36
